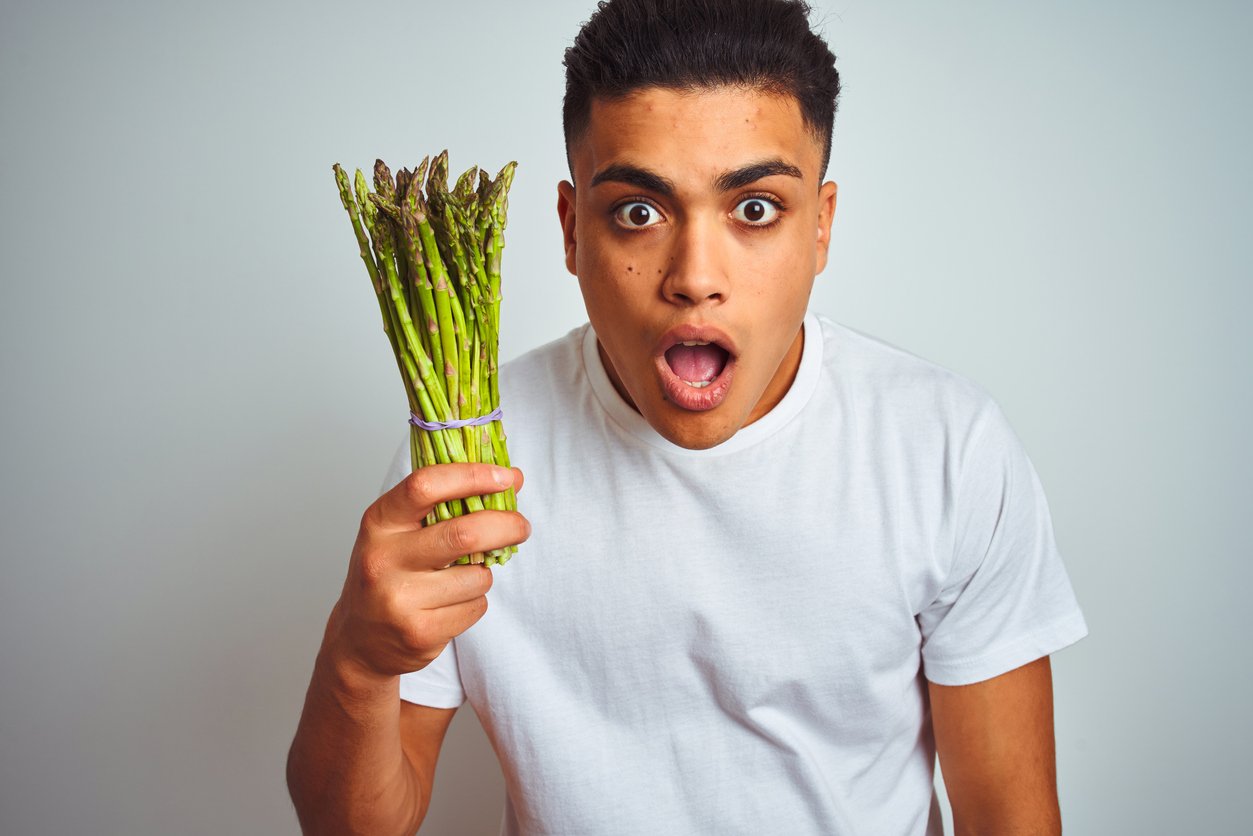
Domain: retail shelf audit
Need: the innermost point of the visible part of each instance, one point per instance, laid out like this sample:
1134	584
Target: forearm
347	771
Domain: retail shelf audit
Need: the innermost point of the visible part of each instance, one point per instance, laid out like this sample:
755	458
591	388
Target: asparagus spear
433	256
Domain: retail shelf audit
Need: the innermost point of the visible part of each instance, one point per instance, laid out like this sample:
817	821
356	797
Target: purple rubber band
432	426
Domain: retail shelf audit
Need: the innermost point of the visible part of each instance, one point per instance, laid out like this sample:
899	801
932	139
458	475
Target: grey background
198	401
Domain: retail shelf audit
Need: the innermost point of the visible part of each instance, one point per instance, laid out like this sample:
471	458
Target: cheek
617	278
772	269
614	294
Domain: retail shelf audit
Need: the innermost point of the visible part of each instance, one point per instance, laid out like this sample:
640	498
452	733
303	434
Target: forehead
695	134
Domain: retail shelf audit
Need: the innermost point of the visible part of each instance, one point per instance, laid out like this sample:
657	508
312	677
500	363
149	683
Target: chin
695	442
692	431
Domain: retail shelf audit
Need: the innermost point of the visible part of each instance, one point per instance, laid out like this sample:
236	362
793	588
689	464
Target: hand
402	601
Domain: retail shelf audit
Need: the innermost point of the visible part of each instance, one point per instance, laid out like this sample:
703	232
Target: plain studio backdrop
199	402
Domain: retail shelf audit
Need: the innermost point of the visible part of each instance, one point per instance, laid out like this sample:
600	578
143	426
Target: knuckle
392	609
410	627
420	487
457	536
374	567
415	637
371	520
372	562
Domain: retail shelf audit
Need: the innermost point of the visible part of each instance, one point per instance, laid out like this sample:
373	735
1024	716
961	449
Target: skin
698	259
996	749
363	760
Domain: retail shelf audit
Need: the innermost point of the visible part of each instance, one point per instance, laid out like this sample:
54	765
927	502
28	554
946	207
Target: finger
406	505
454	585
435	546
517	480
455	619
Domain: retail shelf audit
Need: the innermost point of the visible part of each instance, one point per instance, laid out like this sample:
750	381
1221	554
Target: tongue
696	362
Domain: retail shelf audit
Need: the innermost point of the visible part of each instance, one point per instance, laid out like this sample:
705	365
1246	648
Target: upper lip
694	332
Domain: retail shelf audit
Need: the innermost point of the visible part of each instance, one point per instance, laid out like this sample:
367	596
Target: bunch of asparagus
434	259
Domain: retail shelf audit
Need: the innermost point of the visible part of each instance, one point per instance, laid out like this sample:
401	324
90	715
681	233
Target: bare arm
350	768
995	742
362	761
422	731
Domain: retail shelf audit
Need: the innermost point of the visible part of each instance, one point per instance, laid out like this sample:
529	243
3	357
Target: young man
776	564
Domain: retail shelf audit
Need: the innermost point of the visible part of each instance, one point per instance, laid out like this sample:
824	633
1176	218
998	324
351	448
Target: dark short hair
768	45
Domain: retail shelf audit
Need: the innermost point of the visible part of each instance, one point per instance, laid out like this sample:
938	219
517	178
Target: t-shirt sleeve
438	685
1007	599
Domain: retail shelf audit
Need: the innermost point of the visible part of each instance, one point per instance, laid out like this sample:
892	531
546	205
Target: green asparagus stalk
433	257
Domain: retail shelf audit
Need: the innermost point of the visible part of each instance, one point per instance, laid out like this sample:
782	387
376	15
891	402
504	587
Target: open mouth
696	364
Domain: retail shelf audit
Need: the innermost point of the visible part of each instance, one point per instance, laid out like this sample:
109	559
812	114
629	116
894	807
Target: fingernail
503	476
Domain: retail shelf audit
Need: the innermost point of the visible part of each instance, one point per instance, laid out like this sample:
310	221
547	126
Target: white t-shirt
737	640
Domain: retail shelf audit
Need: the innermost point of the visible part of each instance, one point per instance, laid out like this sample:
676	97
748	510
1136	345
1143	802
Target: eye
756	211
636	215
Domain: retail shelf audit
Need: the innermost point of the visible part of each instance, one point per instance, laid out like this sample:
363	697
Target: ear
826	211
565	212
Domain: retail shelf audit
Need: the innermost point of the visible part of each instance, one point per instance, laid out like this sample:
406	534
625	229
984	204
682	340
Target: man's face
697	218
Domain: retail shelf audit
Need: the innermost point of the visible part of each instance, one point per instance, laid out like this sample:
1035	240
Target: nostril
691	298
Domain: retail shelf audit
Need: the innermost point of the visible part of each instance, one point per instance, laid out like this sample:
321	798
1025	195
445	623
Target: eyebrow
753	172
635	176
727	181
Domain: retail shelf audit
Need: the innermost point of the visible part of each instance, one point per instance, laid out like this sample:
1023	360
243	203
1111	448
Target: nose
697	273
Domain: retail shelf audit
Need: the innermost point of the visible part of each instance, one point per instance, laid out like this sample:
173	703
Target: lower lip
690	397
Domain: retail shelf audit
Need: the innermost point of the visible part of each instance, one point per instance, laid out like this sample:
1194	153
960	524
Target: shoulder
542	371
887	382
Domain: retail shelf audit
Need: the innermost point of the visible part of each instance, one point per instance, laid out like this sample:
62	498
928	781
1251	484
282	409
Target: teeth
694	342
698	384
